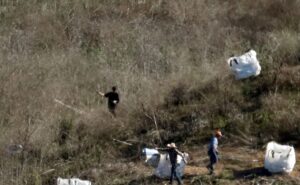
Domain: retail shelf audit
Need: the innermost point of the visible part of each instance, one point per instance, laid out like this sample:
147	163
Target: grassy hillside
168	60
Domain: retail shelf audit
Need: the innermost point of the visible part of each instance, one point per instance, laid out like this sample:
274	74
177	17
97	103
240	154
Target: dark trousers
175	173
213	157
112	109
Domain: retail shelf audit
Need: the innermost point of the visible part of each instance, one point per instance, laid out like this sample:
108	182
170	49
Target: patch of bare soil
237	165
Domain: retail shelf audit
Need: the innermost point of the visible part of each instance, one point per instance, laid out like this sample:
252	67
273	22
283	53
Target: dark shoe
180	182
209	168
212	173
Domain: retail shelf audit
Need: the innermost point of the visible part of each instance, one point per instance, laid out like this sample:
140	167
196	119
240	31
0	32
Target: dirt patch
236	166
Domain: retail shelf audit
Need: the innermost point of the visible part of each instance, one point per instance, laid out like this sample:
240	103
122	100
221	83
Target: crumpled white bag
72	181
152	157
163	168
245	65
279	158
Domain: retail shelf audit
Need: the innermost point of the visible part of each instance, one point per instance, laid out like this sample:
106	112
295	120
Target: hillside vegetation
168	60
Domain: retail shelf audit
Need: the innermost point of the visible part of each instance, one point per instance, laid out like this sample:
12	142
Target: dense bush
167	59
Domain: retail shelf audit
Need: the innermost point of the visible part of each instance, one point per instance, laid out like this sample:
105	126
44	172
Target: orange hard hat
218	133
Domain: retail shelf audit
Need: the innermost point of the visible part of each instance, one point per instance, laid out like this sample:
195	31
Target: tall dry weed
167	59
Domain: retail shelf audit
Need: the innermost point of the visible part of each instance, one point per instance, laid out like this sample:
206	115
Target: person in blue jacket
213	151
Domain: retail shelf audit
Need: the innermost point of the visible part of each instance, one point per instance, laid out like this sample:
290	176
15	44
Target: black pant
174	173
112	109
213	157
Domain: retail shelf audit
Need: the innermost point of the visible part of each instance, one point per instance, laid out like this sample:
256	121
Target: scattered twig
123	142
69	107
60	164
153	118
133	141
48	171
206	99
241	139
155	122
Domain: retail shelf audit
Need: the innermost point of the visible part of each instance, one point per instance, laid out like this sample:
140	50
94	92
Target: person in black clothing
173	153
113	100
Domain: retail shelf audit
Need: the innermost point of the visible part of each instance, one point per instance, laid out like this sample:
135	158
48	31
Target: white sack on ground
245	65
280	158
163	167
152	157
72	181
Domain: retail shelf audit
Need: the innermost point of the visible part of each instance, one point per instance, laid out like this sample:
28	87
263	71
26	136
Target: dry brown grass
167	59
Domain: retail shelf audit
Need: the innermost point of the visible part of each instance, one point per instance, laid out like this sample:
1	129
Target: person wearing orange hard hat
213	151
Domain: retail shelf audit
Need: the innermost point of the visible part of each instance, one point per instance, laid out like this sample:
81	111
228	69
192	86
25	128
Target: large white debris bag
280	158
163	169
245	65
77	181
72	181
152	157
161	163
61	181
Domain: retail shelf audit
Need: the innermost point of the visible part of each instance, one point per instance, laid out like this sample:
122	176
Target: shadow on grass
191	177
153	180
251	173
150	180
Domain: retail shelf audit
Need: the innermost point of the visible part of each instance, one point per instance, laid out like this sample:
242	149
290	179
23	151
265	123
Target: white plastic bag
163	169
161	163
245	65
149	152
72	181
280	158
152	157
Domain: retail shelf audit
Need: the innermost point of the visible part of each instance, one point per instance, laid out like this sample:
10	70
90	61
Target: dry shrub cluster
167	59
